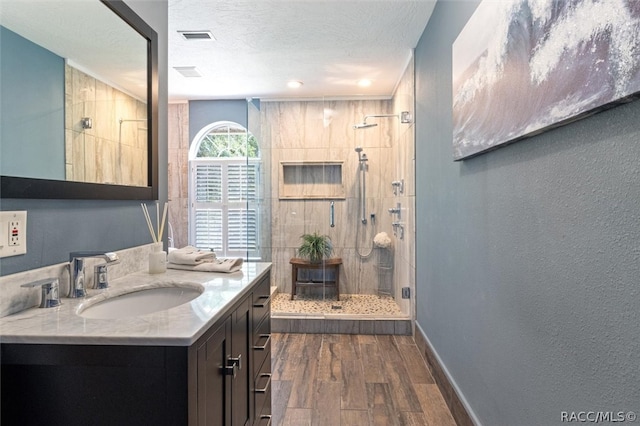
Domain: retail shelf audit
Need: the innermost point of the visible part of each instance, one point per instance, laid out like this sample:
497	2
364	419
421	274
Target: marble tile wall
323	131
109	152
178	174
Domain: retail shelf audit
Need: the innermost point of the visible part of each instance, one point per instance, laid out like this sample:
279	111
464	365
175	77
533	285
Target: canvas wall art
521	67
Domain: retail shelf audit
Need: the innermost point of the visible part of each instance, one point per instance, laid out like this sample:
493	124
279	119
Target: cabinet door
214	379
240	340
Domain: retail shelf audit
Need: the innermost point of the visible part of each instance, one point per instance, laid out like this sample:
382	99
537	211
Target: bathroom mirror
79	101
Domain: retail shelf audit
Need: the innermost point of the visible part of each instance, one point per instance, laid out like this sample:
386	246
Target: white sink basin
137	301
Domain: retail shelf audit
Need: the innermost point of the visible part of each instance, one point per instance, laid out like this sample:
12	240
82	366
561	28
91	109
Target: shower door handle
332	215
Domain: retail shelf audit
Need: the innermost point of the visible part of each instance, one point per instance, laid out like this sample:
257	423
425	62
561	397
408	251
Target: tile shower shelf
300	180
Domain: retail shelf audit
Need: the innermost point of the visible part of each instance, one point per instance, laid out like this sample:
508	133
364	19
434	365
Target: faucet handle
50	291
100	275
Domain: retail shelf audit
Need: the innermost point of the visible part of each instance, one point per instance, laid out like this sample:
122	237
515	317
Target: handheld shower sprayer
362	158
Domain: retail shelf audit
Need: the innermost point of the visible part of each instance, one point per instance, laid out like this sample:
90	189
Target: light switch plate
13	233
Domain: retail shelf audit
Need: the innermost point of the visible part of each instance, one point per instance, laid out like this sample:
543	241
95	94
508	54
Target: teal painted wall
31	109
57	227
528	256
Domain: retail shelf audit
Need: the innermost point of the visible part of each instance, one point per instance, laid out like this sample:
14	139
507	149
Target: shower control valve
398	186
396	210
398	229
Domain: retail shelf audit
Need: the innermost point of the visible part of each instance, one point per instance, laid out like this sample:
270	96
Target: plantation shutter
225	210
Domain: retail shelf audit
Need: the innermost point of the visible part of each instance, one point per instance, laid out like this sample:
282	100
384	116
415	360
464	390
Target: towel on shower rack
216	265
382	240
190	255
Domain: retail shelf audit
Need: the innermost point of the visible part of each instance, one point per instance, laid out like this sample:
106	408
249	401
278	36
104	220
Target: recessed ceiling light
365	82
197	35
188	71
294	84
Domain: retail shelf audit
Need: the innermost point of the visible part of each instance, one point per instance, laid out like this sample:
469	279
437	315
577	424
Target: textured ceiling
262	44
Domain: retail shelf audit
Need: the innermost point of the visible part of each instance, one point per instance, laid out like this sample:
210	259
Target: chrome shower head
405	117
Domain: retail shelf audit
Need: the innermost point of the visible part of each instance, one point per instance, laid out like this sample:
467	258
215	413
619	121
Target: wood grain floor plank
297	417
329	366
289	358
434	408
366	339
379	402
416	364
408	418
302	392
372	362
396	374
349	347
312	345
280	392
332	338
404	340
353	380
354	418
354	391
326	407
389	349
277	340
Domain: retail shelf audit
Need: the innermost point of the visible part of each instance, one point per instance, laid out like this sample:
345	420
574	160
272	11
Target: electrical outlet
406	292
13	233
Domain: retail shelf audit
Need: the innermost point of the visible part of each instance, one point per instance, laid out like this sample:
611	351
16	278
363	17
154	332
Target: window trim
224	205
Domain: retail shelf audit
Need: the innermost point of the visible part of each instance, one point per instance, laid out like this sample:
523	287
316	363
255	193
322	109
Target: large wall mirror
78	92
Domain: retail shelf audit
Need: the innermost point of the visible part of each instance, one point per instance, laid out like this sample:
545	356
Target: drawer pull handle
264	304
266	343
266	387
229	370
266	417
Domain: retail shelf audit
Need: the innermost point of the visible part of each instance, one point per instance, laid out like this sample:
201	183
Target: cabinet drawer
264	420
262	298
262	392
262	344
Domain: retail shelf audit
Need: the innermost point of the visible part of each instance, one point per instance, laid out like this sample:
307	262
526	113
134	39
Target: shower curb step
320	325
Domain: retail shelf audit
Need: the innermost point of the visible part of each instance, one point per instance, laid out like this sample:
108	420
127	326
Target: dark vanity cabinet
224	378
222	371
261	353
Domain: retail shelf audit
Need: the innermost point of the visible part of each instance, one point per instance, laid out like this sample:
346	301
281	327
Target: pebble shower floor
349	304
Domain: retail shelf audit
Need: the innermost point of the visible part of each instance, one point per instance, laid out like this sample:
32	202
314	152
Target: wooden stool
329	264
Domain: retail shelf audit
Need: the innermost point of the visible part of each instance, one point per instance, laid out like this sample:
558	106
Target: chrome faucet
76	269
49	286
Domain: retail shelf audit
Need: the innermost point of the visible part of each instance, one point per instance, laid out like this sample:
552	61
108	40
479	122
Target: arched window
224	163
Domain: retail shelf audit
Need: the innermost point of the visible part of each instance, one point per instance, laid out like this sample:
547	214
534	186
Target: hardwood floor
352	380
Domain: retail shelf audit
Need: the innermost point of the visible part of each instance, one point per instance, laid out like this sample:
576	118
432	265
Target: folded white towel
190	255
217	265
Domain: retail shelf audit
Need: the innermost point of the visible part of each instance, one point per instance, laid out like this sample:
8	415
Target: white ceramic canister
157	260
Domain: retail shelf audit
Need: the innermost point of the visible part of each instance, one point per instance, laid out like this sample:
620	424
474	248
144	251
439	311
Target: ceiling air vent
188	71
197	35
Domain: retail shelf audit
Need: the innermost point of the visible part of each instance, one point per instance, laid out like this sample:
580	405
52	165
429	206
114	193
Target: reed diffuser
157	258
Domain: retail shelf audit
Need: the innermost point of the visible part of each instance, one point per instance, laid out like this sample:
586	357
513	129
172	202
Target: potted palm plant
315	247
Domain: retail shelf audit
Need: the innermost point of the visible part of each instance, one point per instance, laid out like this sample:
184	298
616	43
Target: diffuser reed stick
155	236
164	218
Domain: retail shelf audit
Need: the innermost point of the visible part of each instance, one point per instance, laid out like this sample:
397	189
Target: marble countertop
178	326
